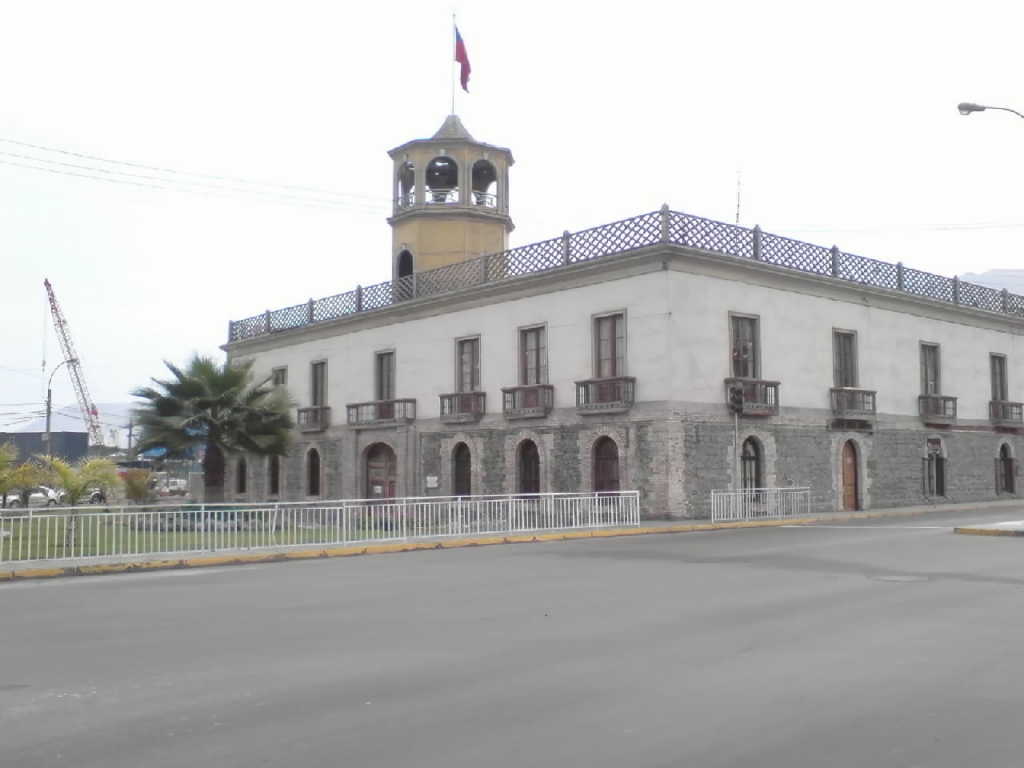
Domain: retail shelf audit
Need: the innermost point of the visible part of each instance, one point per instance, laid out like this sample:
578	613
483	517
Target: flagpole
454	43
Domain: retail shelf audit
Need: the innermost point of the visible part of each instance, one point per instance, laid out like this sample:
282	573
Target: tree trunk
213	476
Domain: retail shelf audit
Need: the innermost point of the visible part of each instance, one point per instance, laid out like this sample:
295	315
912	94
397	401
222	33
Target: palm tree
217	407
16	477
76	480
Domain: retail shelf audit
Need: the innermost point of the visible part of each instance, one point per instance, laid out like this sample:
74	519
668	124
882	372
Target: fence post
359	298
757	242
309	312
901	281
956	290
483	268
565	246
664	215
835	260
266	321
1006	301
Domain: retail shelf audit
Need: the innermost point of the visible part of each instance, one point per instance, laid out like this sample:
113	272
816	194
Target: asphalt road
884	643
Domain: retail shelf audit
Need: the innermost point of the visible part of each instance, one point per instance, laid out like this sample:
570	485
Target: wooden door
849	477
381	473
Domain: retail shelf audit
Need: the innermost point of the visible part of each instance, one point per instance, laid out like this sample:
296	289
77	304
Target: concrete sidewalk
1015	528
16	571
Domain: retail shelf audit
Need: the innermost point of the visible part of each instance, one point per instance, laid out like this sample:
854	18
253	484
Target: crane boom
89	413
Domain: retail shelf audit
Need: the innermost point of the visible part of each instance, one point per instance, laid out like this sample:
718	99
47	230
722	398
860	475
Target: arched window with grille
753	465
606	465
462	471
313	472
528	470
1006	470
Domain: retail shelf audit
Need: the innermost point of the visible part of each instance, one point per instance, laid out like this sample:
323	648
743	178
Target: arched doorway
1006	471
462	471
381	472
606	465
752	469
313	473
529	467
851	480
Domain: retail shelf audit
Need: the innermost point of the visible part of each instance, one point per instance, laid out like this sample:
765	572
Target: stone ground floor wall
891	463
673	461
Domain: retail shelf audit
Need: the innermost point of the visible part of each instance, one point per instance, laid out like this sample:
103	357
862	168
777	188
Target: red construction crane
89	413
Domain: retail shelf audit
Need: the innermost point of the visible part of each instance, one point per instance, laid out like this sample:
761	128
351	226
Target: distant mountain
113	418
1011	280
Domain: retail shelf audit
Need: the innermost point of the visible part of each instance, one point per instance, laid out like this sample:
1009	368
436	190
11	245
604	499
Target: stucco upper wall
677	302
425	347
796	346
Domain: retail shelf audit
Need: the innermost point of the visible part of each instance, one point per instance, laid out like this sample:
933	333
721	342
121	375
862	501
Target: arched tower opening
406	184
485	184
443	181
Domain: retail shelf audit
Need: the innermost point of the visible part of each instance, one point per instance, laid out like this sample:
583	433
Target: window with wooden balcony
849	402
384	375
931	383
467	356
317	417
745	346
610	346
1003	412
760	398
533	356
534	397
384	384
935	408
844	359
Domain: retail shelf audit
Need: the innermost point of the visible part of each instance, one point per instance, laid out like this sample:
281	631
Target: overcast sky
844	125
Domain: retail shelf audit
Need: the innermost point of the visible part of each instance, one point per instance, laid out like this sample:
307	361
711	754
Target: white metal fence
124	532
759	504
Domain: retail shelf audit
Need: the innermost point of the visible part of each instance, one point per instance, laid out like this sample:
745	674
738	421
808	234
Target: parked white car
39	497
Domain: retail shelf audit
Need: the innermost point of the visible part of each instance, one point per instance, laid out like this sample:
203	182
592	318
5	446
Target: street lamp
49	403
967	107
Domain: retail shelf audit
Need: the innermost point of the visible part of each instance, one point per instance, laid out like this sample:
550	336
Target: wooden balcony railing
850	403
760	398
614	395
937	409
315	419
462	407
381	413
527	402
1003	413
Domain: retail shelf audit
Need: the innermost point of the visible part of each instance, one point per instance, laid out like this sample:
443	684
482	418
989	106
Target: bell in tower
450	200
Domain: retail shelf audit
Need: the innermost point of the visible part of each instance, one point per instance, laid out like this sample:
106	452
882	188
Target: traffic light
736	398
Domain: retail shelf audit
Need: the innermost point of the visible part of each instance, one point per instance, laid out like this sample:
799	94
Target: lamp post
49	403
967	107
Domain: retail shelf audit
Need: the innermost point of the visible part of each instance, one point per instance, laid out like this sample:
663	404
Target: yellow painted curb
198	560
989	531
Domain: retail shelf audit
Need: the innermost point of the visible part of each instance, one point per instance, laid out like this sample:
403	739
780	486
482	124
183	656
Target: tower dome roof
452	128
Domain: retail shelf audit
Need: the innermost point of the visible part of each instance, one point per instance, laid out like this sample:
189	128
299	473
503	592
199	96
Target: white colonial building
608	359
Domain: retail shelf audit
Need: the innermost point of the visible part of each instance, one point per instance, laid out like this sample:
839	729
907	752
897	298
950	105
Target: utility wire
196	191
188	173
193	183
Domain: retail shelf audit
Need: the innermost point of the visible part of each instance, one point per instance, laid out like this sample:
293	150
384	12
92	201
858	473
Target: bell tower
450	200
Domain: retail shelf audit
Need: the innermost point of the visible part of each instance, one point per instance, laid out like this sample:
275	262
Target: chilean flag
463	58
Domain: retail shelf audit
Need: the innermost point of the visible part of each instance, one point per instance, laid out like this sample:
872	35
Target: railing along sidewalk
122	532
759	504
